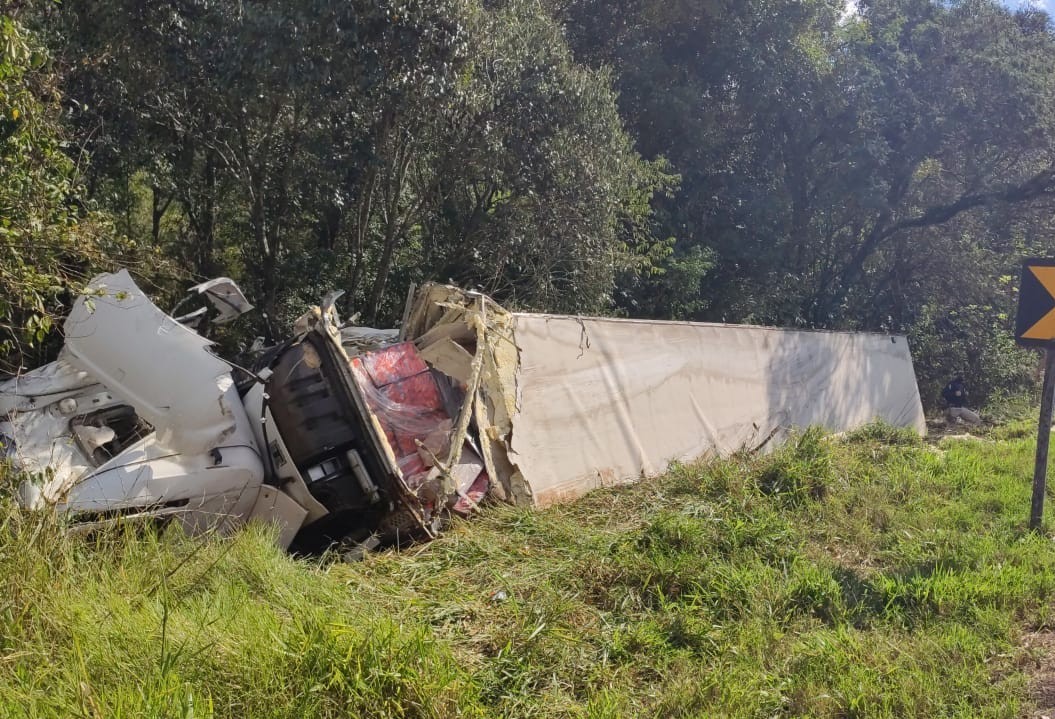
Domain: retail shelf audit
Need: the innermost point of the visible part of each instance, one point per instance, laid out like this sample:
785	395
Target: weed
883	433
801	470
866	577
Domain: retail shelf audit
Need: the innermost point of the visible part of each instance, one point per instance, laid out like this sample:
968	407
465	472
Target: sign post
1035	327
1040	467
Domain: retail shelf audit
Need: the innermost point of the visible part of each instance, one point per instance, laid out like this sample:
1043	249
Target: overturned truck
348	434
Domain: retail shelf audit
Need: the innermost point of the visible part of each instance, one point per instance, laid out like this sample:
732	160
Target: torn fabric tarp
607	400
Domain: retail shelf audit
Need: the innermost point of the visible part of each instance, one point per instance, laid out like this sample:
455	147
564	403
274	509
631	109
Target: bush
974	341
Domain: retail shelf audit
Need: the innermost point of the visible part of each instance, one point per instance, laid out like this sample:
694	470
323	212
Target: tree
50	239
538	195
810	142
324	144
234	104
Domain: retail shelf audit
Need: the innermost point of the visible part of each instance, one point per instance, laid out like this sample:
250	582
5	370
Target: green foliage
842	170
975	341
674	289
49	241
146	626
389	143
884	433
543	200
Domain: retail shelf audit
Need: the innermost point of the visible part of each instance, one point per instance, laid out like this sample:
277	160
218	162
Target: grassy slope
870	578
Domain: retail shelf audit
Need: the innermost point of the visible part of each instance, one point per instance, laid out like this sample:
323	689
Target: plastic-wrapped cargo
567	404
406	399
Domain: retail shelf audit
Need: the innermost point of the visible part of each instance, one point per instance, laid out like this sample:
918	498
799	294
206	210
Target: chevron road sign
1035	327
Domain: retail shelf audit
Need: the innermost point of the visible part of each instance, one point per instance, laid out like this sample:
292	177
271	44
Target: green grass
872	576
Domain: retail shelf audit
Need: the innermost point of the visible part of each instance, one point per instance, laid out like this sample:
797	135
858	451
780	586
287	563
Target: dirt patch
940	428
1038	661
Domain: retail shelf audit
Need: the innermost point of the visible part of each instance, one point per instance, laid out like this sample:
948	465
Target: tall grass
872	576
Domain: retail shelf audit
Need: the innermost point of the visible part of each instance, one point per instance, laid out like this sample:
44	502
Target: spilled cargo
357	436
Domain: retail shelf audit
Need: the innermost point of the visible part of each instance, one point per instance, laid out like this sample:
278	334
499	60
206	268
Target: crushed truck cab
138	419
135	418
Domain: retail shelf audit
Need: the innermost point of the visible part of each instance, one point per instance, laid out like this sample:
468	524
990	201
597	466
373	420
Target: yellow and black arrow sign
1035	324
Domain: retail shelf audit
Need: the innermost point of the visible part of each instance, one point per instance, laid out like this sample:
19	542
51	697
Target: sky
1048	5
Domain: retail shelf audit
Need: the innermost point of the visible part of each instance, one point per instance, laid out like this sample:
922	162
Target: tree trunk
207	219
268	266
159	207
362	227
383	268
329	226
394	227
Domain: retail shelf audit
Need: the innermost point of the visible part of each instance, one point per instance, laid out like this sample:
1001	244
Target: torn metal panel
221	483
43	446
225	297
37	409
450	358
120	338
135	419
357	340
279	462
275	507
444	317
134	414
434	305
44	386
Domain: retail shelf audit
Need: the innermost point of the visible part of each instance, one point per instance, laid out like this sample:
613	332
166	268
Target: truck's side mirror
222	295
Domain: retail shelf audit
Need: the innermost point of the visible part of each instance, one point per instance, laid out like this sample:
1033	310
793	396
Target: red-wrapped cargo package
403	394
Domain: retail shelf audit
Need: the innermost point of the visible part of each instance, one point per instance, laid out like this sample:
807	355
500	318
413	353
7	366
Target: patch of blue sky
1048	5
